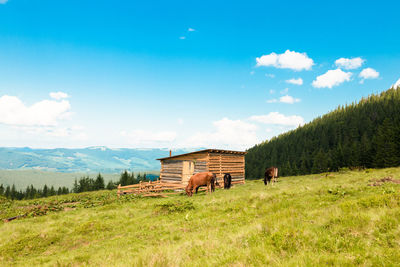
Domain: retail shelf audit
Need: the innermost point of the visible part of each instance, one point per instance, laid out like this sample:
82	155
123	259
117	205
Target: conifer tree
110	185
386	145
366	151
52	192
65	190
7	192
13	193
124	179
27	194
45	192
320	163
76	187
99	183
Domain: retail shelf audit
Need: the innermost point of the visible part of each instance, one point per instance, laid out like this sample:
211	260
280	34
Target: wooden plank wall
171	171
221	163
200	166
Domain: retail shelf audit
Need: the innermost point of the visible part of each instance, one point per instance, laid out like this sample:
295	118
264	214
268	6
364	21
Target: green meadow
326	219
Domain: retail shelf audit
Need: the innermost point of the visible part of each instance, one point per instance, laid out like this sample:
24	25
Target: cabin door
187	171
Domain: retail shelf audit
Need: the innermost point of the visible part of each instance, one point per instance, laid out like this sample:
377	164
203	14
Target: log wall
220	164
171	170
200	166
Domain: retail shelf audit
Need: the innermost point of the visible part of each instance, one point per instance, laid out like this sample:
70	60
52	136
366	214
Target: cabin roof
209	151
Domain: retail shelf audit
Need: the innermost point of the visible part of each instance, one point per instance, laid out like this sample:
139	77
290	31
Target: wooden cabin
180	168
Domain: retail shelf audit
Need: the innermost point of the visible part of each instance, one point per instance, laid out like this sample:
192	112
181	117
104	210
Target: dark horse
201	179
227	180
270	175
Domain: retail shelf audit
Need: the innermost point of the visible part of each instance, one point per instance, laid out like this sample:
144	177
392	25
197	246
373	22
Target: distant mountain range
91	159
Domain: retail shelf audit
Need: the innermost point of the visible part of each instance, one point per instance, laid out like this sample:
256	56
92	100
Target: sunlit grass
309	220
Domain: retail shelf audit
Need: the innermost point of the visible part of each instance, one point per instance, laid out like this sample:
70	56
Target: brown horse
201	179
270	175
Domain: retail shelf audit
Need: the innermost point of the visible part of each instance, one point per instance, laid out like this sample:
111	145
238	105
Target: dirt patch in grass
69	209
382	181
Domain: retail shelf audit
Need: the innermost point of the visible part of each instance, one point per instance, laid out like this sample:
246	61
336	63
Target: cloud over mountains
43	113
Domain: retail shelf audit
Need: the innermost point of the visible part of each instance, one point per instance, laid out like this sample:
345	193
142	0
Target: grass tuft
169	207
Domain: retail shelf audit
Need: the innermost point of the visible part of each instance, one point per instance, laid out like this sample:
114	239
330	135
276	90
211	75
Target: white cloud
349	63
58	95
276	118
43	121
252	72
149	138
233	134
284	91
331	78
43	113
3	1
396	84
298	81
182	37
191	30
369	73
288	99
288	60
270	75
180	121
39	124
272	91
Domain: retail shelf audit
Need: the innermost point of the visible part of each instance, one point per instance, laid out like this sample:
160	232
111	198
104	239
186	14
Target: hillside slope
363	134
335	219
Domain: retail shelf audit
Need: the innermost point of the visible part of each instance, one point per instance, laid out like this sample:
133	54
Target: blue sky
185	74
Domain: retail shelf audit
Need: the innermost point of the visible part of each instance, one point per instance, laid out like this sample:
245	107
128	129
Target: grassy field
335	219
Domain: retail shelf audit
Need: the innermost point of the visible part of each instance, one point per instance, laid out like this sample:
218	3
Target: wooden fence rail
152	188
158	188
